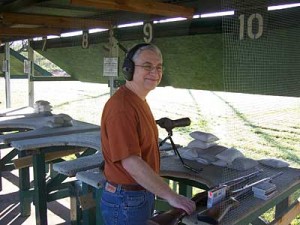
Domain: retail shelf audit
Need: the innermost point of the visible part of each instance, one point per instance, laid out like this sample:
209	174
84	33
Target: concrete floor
58	211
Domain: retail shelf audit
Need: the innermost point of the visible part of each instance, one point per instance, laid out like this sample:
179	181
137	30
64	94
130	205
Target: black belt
112	187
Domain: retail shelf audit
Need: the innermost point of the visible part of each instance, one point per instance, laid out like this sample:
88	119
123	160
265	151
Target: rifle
215	214
175	215
220	192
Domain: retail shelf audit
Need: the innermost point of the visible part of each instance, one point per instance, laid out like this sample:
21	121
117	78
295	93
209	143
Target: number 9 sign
148	32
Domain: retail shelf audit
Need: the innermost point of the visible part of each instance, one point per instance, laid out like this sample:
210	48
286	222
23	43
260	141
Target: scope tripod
169	137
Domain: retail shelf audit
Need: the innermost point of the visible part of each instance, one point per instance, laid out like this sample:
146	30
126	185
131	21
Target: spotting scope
169	124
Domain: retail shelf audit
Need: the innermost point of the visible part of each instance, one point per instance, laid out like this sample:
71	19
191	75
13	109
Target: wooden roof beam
53	21
28	32
18	4
139	6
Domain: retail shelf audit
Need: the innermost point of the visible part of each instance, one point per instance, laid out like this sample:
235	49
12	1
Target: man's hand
146	177
182	202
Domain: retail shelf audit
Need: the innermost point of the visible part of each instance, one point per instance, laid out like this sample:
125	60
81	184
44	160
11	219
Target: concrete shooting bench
36	147
55	188
87	170
18	120
86	189
249	210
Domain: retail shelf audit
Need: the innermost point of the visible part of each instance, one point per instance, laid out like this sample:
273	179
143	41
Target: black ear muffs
128	64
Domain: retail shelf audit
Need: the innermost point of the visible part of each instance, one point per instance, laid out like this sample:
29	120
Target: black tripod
169	125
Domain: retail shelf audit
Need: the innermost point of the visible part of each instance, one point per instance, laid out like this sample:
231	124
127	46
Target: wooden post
24	186
40	196
30	74
113	52
7	75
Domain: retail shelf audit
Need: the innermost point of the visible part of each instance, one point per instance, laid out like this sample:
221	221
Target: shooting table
250	208
18	120
38	145
21	118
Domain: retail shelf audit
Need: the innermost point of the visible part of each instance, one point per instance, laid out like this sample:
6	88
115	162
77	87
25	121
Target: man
129	137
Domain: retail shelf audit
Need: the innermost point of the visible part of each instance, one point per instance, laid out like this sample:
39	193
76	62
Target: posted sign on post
110	67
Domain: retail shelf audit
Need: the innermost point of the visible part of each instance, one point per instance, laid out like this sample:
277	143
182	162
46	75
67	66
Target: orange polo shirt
127	128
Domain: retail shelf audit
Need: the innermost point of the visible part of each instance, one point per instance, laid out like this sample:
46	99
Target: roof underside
24	19
30	18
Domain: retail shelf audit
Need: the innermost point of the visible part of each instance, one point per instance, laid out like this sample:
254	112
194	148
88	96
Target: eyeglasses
150	68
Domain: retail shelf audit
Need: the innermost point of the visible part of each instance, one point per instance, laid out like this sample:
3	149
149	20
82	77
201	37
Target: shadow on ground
10	206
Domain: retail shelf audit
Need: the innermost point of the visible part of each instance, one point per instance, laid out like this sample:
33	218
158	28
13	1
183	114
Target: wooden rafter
18	4
28	32
139	6
52	21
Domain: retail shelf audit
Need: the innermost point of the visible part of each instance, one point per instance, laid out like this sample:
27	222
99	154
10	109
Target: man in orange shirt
129	137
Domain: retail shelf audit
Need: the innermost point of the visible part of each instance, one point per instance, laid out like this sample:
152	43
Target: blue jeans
126	207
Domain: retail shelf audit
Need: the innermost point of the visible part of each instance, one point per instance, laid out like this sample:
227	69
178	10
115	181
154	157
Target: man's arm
146	177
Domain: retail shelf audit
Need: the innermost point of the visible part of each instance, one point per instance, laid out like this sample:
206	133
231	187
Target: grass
259	126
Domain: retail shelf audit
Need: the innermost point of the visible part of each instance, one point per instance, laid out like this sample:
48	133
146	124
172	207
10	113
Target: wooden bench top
72	167
78	127
94	177
87	139
171	166
212	176
28	122
249	208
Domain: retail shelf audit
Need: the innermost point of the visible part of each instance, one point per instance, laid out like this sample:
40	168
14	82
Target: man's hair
150	47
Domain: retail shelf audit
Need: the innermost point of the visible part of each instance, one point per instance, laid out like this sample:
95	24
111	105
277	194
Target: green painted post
0	172
185	190
3	161
24	186
88	217
76	212
40	192
99	219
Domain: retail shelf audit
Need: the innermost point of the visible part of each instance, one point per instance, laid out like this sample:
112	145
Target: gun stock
175	215
216	213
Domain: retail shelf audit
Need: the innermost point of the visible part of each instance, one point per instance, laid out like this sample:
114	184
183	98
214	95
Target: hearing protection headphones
128	65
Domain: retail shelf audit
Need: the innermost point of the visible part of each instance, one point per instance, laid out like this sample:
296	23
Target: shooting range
227	108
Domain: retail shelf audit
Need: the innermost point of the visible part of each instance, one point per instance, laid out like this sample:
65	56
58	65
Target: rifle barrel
241	179
256	182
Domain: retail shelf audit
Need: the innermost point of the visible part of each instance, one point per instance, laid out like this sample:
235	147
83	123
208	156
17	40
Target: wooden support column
7	75
40	196
30	74
24	186
113	52
6	69
99	219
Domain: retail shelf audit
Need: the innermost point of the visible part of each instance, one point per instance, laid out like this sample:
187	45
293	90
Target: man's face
148	70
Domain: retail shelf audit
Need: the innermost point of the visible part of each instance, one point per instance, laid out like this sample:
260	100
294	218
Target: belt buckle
110	188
